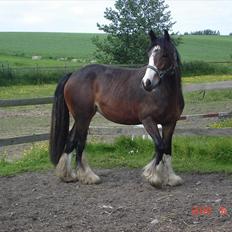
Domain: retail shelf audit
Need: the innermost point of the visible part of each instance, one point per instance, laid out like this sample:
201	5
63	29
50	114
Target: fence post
3	69
65	68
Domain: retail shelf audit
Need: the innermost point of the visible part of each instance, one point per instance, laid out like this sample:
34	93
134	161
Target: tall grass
196	68
33	76
222	123
29	78
35	159
199	154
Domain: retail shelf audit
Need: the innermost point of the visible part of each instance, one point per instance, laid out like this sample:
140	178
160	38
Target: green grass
35	159
209	96
206	48
21	61
48	45
203	154
205	79
198	154
27	91
223	123
16	48
196	68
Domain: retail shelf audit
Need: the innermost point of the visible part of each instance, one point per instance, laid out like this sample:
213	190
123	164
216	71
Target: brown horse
149	95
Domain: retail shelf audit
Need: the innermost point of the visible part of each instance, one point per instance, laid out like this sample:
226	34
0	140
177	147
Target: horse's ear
166	35
152	36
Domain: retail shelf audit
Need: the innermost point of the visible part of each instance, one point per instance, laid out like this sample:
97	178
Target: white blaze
150	72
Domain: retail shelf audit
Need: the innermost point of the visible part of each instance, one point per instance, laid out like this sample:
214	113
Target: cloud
82	15
192	15
55	15
32	19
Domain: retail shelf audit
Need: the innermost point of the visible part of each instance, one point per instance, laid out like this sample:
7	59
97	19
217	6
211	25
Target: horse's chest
174	111
168	110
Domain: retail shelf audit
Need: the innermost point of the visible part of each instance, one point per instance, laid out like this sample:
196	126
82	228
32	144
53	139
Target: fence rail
117	131
131	131
26	102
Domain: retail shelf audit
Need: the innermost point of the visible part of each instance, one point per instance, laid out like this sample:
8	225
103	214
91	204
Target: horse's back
106	89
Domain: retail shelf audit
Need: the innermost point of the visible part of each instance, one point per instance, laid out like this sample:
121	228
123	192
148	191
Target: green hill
206	48
46	44
16	48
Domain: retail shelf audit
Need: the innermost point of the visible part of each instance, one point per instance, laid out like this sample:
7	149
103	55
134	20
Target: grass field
206	48
16	48
48	45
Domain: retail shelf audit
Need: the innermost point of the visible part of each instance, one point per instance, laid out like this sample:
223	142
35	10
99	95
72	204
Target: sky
83	15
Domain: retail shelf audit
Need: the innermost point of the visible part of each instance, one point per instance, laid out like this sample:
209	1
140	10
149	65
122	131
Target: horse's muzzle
148	85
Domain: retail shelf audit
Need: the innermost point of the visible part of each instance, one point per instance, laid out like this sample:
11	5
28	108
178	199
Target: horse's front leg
156	172
167	133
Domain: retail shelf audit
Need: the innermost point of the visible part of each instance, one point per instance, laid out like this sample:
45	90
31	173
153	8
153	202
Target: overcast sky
82	15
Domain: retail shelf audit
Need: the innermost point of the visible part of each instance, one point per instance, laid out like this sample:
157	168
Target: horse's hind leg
64	168
84	172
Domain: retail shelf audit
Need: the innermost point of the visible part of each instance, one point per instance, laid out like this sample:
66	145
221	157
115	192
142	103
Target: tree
126	41
205	32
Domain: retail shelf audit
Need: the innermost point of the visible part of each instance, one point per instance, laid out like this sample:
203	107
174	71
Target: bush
7	79
32	75
196	68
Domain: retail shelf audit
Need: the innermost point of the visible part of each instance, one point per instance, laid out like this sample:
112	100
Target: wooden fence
125	130
113	132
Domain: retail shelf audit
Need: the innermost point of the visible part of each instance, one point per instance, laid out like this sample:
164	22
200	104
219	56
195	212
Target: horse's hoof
175	180
88	177
69	178
155	182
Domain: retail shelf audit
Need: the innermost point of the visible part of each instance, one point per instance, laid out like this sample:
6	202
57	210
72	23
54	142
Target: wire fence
7	69
39	74
11	75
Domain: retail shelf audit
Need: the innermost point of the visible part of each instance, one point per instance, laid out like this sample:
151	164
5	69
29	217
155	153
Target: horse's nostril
148	82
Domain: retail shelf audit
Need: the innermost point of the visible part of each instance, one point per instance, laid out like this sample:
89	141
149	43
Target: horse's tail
59	123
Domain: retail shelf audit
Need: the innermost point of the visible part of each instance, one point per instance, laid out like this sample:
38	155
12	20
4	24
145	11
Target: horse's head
161	56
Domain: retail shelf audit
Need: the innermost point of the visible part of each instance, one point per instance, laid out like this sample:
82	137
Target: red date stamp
201	210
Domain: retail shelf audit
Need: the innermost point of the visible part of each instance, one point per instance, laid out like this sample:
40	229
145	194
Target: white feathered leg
86	175
64	169
156	175
162	174
173	179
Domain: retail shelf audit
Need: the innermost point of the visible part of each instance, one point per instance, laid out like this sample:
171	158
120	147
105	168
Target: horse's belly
120	114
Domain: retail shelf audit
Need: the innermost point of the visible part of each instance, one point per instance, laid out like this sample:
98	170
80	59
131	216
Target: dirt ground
124	201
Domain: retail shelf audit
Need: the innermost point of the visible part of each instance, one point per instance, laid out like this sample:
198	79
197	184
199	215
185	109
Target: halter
161	73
